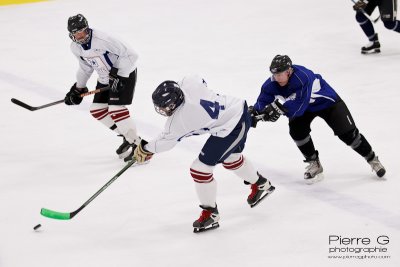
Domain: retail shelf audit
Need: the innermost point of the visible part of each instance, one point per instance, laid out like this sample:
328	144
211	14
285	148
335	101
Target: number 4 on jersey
212	108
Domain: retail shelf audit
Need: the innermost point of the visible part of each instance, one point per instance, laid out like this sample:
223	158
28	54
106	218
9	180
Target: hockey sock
366	25
126	126
242	167
100	113
358	142
306	147
206	186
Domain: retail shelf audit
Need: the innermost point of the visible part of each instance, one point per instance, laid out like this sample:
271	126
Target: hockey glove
360	5
255	116
116	82
141	154
73	96
273	111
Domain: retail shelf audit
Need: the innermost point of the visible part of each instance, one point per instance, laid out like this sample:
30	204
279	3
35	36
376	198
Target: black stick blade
22	104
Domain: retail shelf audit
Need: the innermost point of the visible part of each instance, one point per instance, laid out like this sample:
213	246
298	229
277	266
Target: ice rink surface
59	156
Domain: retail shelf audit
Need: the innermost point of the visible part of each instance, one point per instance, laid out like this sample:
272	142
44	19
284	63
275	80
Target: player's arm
127	57
84	70
257	111
82	76
164	142
265	97
297	104
124	65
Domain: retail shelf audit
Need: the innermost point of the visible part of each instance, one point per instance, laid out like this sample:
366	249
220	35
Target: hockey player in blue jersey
387	11
307	96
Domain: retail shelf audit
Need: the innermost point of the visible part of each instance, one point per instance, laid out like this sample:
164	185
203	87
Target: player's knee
390	25
114	108
351	138
200	172
361	18
118	113
299	132
234	161
99	110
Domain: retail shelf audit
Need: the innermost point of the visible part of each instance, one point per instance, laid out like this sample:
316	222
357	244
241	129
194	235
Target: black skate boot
261	189
130	156
377	167
372	47
208	220
123	149
314	170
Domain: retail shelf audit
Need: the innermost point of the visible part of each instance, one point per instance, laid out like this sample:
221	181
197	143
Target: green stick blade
55	214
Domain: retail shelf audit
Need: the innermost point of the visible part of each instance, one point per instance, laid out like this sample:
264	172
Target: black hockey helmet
167	97
78	23
280	63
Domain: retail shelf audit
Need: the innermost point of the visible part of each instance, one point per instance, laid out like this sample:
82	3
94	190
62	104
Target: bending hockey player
193	109
115	64
387	10
308	95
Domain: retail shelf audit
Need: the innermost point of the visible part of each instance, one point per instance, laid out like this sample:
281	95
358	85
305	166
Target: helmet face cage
78	24
167	98
280	63
167	111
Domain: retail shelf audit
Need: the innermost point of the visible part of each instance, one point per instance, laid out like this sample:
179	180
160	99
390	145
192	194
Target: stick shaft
69	215
32	108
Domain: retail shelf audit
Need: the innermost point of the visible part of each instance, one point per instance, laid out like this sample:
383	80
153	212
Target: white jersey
202	111
100	54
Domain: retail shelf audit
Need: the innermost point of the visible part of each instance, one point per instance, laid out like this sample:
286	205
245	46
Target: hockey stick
31	108
368	16
69	215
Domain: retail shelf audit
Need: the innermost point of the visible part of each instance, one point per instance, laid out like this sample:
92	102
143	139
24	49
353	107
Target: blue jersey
305	91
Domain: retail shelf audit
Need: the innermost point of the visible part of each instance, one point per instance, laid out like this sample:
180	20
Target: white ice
59	156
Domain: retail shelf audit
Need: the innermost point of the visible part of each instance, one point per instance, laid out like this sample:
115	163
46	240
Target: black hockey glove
73	96
116	82
360	5
273	111
255	116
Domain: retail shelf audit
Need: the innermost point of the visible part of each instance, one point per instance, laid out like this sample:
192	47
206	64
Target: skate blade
267	193
376	51
316	179
211	227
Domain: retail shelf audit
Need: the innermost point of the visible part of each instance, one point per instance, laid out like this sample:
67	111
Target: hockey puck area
37	227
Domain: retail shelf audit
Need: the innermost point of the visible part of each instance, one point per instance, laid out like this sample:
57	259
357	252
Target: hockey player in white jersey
115	64
193	109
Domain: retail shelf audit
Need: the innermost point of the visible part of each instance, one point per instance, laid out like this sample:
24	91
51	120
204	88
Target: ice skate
372	47
314	171
130	156
123	150
377	167
208	220
261	189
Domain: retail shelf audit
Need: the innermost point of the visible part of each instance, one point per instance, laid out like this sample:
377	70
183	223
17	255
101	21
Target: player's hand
116	82
255	116
360	5
273	111
141	154
73	96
